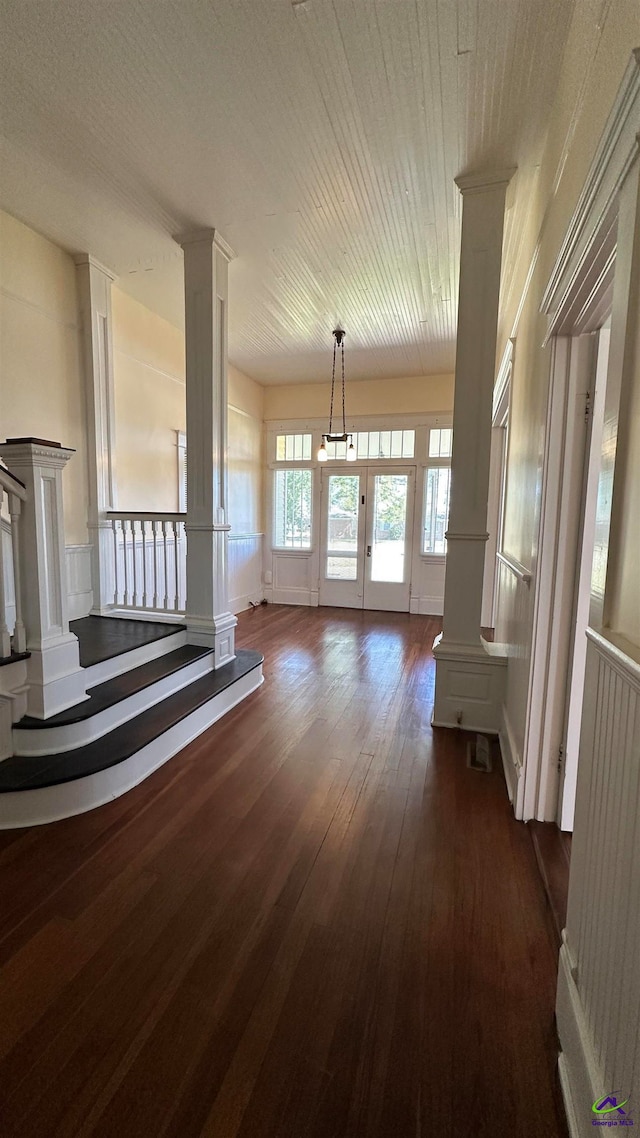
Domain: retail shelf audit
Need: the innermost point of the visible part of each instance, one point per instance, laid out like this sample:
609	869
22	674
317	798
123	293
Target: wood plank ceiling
321	137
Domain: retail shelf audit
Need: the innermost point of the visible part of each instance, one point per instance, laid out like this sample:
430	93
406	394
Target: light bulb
351	452
322	452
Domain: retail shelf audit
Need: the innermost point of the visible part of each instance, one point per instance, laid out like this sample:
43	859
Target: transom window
293	448
377	444
440	439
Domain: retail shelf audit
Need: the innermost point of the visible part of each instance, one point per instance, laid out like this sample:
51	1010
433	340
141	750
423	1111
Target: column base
54	677
470	686
217	633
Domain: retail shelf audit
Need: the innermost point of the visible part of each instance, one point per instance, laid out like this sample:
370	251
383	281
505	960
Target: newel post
54	675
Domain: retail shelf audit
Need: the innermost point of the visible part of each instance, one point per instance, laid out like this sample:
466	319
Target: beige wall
148	365
149	372
246	453
415	395
40	370
595	60
591	74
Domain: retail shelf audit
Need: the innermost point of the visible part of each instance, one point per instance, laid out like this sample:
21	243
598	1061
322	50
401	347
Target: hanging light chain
333	384
344	420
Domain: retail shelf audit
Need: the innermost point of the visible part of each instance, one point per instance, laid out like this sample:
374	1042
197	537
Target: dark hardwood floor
315	921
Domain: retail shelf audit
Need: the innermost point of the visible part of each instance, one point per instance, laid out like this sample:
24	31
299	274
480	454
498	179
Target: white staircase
149	694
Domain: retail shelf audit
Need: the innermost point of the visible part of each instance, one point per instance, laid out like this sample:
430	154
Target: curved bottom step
36	806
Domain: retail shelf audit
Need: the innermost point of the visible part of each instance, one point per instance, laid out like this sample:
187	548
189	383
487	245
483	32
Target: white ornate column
94	294
470	673
54	675
209	622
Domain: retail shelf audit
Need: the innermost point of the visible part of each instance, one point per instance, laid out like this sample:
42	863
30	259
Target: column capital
81	259
481	181
211	237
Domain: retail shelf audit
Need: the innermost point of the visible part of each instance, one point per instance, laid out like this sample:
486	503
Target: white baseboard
51	803
511	761
240	604
580	1077
291	597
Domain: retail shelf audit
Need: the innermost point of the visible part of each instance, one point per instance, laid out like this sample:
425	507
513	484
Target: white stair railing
13	638
149	561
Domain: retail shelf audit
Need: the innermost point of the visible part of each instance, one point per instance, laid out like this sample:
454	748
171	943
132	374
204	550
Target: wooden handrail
12	485
516	567
148	516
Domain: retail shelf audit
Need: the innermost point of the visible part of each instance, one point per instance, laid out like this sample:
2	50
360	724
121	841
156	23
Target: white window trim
299	550
181	447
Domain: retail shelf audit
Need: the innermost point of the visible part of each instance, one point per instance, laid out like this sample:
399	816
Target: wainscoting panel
599	981
79	591
293	581
245	570
514	615
427	585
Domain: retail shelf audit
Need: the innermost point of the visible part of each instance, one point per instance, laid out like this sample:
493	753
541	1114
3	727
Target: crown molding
88	259
206	236
596	209
482	180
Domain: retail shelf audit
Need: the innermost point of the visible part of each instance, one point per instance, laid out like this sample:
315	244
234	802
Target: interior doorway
366	537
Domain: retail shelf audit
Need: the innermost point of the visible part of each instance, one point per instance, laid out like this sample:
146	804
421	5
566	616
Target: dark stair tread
23	773
103	637
118	688
14	658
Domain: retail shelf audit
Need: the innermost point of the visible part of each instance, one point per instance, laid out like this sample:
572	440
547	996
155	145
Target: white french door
365	537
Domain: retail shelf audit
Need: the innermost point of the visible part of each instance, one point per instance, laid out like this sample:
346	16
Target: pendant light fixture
331	437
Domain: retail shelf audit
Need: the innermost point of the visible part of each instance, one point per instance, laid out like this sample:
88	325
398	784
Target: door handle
368	551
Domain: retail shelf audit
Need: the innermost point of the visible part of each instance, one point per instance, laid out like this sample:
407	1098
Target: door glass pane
342	568
389	527
343	503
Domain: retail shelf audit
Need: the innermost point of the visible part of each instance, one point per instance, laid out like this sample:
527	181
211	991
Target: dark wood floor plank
314	922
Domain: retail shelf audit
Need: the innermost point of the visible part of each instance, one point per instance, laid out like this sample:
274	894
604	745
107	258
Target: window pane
396	444
440	442
292	513
374	444
293	448
362	444
436	511
408	443
389	527
342	520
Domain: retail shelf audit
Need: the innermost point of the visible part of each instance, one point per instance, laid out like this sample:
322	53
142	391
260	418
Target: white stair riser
51	803
127	661
53	740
